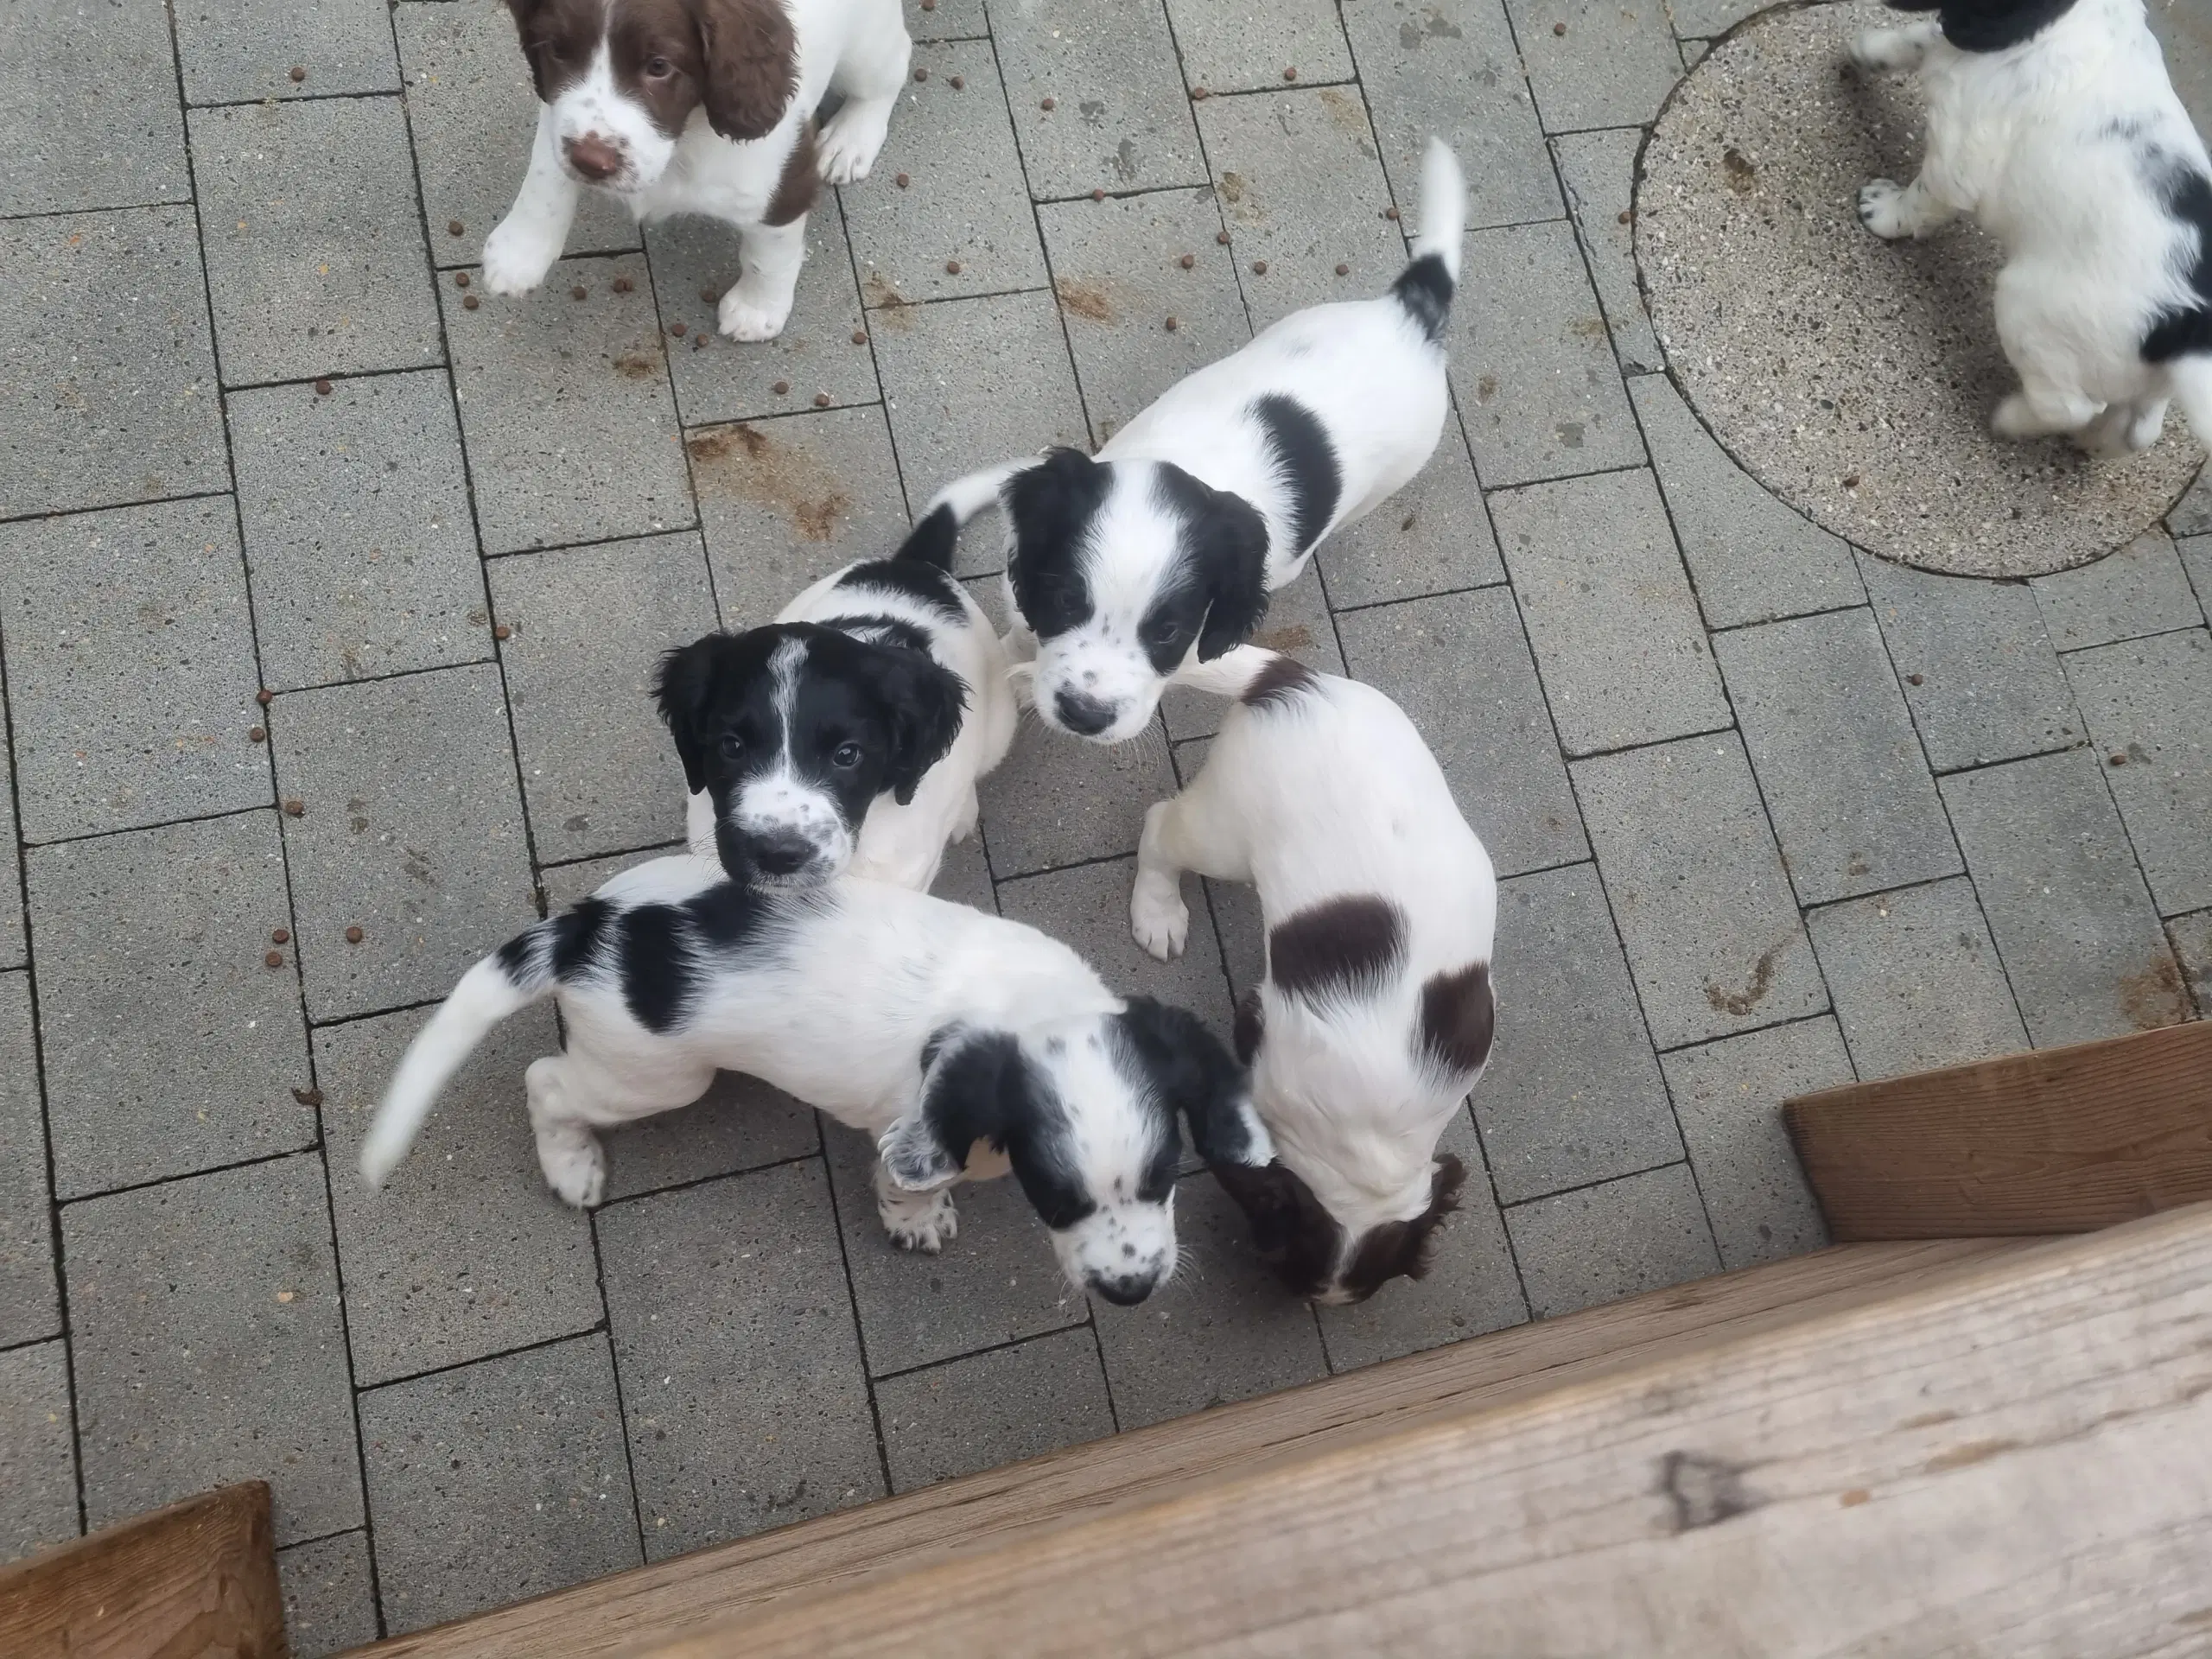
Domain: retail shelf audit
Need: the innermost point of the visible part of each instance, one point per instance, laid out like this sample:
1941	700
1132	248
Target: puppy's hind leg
869	77
2042	410
567	1151
916	1220
1900	49
1186	833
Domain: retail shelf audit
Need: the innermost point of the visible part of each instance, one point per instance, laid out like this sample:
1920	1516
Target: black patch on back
1220	593
576	936
1404	1248
658	974
1280	684
1304	459
1341	947
2184	331
916	579
1291	1229
1051	506
1251	1028
517	957
1425	288
1994	25
878	630
933	540
1458	1015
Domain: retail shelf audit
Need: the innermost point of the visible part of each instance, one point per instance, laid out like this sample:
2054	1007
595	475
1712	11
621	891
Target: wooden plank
2013	1458
1067	1485
195	1580
2060	1141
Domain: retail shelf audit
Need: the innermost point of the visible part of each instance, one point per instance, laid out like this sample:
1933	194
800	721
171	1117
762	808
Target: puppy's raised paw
919	1221
517	255
1158	919
1881	209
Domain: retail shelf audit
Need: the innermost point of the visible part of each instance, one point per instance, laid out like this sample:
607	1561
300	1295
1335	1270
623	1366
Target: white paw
752	316
2016	418
1879	211
846	147
2147	427
574	1164
517	258
923	1221
1158	919
1869	48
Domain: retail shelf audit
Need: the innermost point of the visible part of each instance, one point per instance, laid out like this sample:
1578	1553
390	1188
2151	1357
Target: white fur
2040	143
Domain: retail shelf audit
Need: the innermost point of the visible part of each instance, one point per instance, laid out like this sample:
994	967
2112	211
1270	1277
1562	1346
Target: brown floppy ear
751	54
525	14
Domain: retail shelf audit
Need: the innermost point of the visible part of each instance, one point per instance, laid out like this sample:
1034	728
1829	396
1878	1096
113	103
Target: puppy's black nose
784	855
1125	1291
1085	716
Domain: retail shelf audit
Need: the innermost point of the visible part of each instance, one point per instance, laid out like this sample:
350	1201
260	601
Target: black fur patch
578	934
1992	25
1291	1229
982	1088
1223	594
517	957
1305	461
1051	506
1459	1016
884	630
917	579
1193	1074
1250	1028
1425	288
933	540
1280	684
662	950
1405	1247
1341	947
2185	331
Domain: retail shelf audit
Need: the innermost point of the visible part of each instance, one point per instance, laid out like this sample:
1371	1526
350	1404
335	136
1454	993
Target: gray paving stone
497	1481
993	1409
412	832
2192	514
964	203
38	1468
1573	1094
742	1378
965	876
1116	271
1302	191
1697	885
2141	589
1230	46
1459	666
1752	558
1728	1098
14	948
232	52
1470	1288
1120	120
721	379
565	408
28	1305
466	1251
1842	772
2065	901
1697	20
1434	536
1532	363
92	115
1693	52
1450	69
1917	981
996	1282
131	672
1298	624
1599	170
114	396
315	250
2192	943
473	114
1981	675
204	1319
359	541
1642	1232
1612	65
971	383
1087	908
783	503
169	1045
1057	800
1223	1329
945	20
1609	611
2150	700
330	1595
2196	558
589	625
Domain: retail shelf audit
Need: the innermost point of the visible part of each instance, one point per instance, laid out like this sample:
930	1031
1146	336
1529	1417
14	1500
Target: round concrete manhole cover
1854	377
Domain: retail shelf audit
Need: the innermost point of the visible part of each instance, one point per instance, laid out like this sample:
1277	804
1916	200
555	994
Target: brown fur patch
1250	1026
1340	947
751	65
1298	1238
1458	1017
1406	1248
799	182
1279	684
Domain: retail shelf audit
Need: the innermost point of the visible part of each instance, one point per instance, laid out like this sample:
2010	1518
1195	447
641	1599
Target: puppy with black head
2054	124
1127	571
849	733
963	1044
1375	1015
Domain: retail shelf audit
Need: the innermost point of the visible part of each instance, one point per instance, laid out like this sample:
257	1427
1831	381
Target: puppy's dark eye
1162	630
733	747
659	68
847	757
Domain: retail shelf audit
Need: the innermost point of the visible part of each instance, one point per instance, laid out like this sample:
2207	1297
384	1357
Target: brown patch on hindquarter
799	182
1089	300
745	462
1458	1018
1339	947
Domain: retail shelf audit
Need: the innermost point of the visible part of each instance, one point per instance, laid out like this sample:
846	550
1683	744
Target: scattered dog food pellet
1915	679
1343	270
902	180
699	341
323	388
1389	213
921	74
294	807
280	936
257	734
1045	104
265	696
1199	92
1188	260
275	958
959	84
299	73
579	292
953	267
1222	237
1171	324
780	387
1258	267
454	228
353	935
502	631
1624	216
708	296
929	5
461	279
1558	29
621	284
1851	480
468	301
308	1097
678	329
2117	760
1290	74
860	336
821	400
1098	195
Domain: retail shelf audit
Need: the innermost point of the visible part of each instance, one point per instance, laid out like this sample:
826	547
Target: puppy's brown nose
594	158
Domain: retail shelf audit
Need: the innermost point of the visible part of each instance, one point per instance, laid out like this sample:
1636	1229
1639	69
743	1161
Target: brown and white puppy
700	107
1375	1015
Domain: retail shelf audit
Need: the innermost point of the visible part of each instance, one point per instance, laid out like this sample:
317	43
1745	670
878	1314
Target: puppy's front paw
1158	919
1891	49
574	1164
847	146
919	1221
1881	209
747	314
517	255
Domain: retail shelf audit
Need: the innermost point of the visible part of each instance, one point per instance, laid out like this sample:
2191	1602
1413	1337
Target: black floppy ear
1199	1080
1271	1198
1234	547
924	703
965	1082
1047	507
751	54
680	690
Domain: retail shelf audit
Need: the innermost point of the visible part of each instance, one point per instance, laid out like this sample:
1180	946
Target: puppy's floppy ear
526	13
1047	507
1284	1214
680	690
923	703
966	1078
751	54
1199	1080
1233	543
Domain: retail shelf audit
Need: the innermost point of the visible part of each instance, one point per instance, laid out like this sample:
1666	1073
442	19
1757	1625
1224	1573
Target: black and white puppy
700	107
962	1042
1376	1016
1126	570
2054	123
849	733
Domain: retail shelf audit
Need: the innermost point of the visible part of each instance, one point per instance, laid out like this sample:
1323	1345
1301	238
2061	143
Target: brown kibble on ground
959	83
502	631
902	180
308	1097
708	296
621	284
1199	92
275	958
921	74
860	336
468	301
678	329
461	279
1851	481
1222	237
294	807
1344	269
256	735
1171	324
2116	760
1915	679
353	935
953	267
780	387
1045	104
1098	195
1258	267
265	696
821	400
1558	29
454	228
1389	213
929	5
299	73
699	341
1290	74
323	388
280	936
579	292
1188	260
1624	216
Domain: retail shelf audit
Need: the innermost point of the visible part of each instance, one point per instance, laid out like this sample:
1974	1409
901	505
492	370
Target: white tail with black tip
1426	286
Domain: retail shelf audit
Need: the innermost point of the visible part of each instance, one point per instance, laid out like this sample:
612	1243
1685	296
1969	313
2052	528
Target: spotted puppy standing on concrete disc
963	1043
700	107
2054	123
849	733
1127	571
1374	1018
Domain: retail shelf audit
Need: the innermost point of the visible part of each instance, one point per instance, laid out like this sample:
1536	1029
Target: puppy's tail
1249	673
1425	287
2191	380
518	974
937	532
